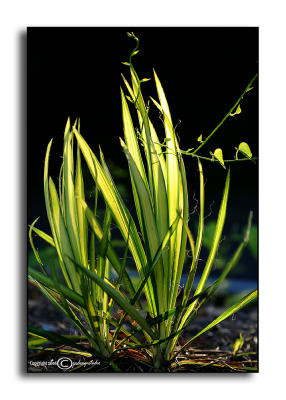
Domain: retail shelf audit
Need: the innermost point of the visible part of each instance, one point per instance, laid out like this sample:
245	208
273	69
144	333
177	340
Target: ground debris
211	352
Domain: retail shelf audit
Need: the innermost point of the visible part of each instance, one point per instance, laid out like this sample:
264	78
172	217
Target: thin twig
227	115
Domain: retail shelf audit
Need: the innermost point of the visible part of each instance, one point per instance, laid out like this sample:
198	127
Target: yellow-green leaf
218	155
237	111
245	149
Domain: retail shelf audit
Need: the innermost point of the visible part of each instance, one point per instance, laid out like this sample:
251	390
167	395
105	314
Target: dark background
76	72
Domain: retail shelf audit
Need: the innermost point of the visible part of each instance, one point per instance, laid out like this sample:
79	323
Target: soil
212	352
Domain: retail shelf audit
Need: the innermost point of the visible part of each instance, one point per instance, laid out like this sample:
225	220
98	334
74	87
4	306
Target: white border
15	16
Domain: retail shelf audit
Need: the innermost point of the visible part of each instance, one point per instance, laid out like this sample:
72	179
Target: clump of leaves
87	304
158	247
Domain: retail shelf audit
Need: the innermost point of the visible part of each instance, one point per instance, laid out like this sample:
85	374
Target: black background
76	72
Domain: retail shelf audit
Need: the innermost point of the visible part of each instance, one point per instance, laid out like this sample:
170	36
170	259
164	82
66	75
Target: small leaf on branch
218	155
237	111
200	138
245	150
